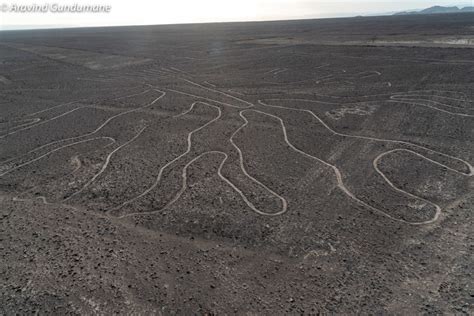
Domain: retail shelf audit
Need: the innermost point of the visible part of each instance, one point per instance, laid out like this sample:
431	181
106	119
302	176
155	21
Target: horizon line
373	15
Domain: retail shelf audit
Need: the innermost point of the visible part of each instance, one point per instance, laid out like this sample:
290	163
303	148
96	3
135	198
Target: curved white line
188	149
53	151
401	99
106	163
392	98
280	71
210	84
409	95
375	164
284	203
181	191
220	92
271	71
54	107
184	184
341	184
96	130
467	164
42	122
31	121
204	98
239	93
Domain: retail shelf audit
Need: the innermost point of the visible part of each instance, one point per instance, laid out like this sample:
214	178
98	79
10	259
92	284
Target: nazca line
106	163
341	184
470	167
408	100
184	173
41	122
100	126
375	162
188	149
53	151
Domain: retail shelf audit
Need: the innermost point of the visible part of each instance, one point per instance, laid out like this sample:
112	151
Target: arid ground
316	166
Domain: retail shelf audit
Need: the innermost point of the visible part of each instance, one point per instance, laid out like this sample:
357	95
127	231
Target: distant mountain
437	10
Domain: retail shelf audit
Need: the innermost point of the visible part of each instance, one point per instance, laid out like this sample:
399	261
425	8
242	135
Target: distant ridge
437	10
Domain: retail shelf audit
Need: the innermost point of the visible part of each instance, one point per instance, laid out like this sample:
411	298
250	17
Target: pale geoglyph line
188	149
401	99
382	95
182	189
322	66
103	80
41	122
245	199
155	72
66	206
184	185
397	93
53	151
284	203
442	91
317	80
375	165
365	77
327	78
399	142
359	75
184	175
106	163
132	95
467	164
4	162
176	71
95	131
407	101
210	84
87	134
169	70
56	117
45	202
219	92
21	120
53	107
280	71
393	98
204	98
271	71
318	101
236	92
339	176
410	95
164	69
31	121
341	184
181	71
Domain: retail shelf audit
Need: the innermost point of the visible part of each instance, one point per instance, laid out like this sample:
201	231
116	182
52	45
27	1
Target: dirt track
220	169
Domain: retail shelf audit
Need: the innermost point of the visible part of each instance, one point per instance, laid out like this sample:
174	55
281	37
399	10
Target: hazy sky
189	11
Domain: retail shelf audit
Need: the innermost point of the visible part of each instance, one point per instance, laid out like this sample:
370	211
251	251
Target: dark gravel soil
304	167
